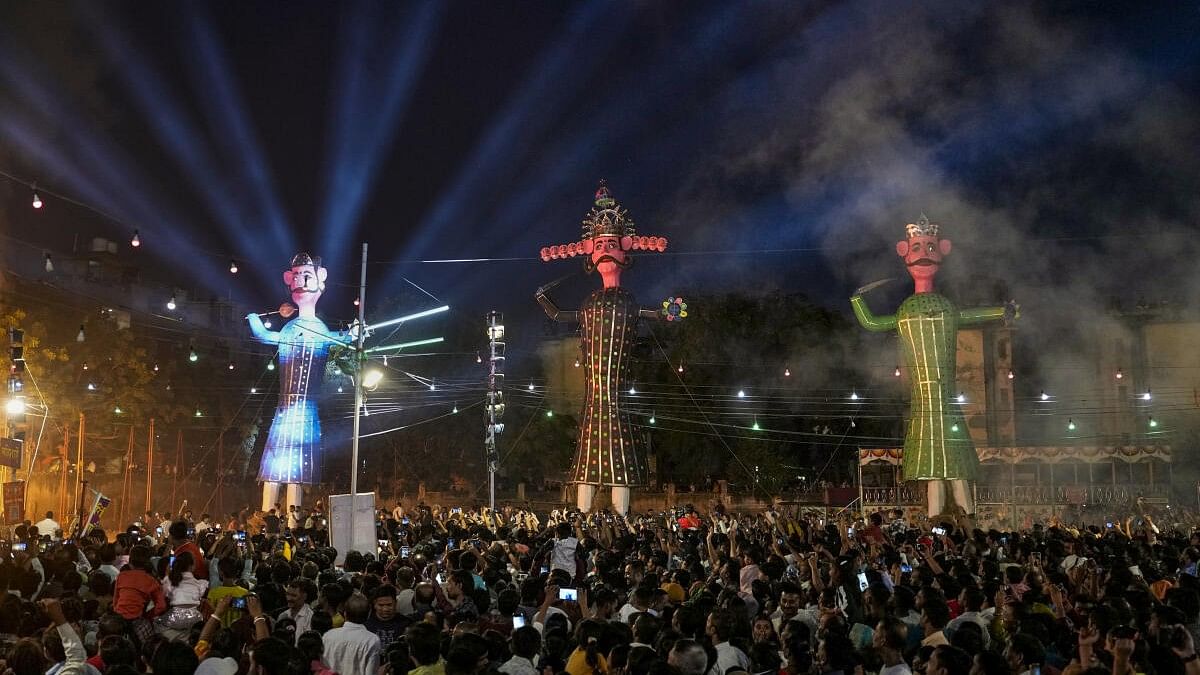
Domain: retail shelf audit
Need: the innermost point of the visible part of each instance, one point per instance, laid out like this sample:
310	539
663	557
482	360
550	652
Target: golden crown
607	218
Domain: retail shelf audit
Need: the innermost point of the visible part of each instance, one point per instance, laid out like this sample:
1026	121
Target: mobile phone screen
862	581
238	603
404	551
571	594
518	621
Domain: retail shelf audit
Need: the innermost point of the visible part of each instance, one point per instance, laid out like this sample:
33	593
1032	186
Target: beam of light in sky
185	143
563	71
99	170
367	111
227	115
170	244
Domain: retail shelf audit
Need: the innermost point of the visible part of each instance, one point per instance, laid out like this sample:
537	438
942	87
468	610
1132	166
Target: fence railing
907	495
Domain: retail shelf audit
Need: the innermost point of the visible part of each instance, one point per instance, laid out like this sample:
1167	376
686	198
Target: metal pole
149	464
358	387
79	466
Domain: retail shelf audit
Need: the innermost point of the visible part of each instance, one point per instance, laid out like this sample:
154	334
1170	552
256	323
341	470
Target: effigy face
923	254
307	283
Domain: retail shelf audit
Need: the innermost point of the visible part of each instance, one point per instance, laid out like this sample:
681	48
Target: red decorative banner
14	502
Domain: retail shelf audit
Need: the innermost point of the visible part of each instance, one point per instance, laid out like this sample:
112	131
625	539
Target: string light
192	355
962	398
91	386
136	241
632	390
1070	425
530	386
171	303
680	368
954	427
1153	422
270	365
231	365
455	409
1045	396
741	393
1119	374
854	396
787	372
233	267
117	409
156	367
37	200
49	263
896	372
432	387
652	418
253	390
1146	396
267	323
755	426
576	361
549	413
1011	375
81	336
85	366
479	359
356	302
339	388
198	413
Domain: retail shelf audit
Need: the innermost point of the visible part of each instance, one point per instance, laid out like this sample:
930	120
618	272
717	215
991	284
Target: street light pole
360	362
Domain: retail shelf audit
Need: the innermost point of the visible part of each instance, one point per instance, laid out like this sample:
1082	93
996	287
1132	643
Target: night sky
776	144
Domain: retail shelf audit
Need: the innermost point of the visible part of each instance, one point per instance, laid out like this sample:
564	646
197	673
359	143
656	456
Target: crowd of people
473	592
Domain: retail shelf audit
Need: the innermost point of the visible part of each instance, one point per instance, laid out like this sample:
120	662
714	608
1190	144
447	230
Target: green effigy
937	444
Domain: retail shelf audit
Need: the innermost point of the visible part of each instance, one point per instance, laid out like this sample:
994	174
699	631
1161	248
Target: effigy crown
923	227
607	218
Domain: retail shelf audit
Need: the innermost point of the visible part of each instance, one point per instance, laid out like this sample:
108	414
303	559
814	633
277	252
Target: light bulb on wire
787	372
91	386
267	323
81	336
85	365
549	413
156	367
198	413
231	366
1153	422
632	390
1119	374
478	358
117	409
1146	396
896	372
136	241
1011	375
1045	396
339	388
171	303
652	418
192	355
1070	425
954	427
680	368
854	396
253	390
454	410
962	398
37	200
577	362
741	393
530	386
755	426
49	263
270	365
233	267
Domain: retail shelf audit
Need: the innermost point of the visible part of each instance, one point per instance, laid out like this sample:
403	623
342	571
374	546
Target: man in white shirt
890	640
971	600
49	527
563	554
352	648
934	617
642	597
526	642
719	629
297	607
